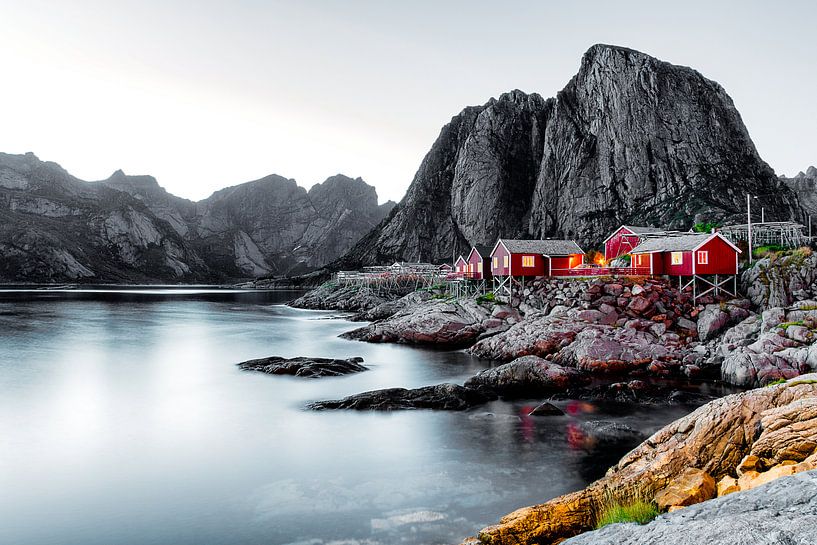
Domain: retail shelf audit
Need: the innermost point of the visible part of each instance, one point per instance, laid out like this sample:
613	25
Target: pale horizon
209	95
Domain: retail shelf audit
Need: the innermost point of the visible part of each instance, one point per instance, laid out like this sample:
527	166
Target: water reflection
124	420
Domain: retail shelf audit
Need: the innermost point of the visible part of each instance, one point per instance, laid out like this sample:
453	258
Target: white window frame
506	262
531	260
703	257
677	258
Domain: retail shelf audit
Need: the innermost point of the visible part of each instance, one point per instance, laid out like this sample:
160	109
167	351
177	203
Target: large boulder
780	346
715	318
781	281
450	323
528	376
690	487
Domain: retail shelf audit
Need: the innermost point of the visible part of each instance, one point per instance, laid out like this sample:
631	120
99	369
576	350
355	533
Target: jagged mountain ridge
57	228
804	185
629	140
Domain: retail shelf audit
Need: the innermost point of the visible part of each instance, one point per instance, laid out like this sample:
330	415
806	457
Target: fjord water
124	420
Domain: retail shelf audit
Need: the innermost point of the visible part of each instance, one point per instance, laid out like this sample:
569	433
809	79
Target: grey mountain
629	140
804	185
57	228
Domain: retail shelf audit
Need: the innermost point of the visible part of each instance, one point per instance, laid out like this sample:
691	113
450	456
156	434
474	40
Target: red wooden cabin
624	240
479	263
691	254
460	266
526	258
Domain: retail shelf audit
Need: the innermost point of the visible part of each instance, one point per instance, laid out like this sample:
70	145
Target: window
506	261
527	261
470	267
496	263
703	257
677	258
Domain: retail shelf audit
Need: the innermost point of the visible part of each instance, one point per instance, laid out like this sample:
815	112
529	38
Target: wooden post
749	224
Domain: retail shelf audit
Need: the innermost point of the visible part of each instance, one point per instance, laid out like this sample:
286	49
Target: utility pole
762	215
749	223
809	228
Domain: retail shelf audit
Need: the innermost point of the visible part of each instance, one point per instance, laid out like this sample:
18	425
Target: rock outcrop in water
305	367
630	139
57	228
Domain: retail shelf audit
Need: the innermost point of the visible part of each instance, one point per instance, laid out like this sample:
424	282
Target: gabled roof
460	258
686	242
543	247
483	251
636	230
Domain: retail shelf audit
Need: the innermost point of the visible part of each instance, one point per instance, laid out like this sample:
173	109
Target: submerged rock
305	367
448	397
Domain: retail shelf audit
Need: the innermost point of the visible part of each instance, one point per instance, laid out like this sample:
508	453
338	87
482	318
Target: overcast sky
205	94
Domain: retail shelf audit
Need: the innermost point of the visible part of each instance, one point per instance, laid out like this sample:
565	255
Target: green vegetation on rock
639	511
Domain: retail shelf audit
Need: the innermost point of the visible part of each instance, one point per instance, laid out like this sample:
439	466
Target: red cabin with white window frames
624	240
703	262
530	258
479	263
688	254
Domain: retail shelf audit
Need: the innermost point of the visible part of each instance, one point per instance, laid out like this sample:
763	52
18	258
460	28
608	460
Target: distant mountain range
629	140
57	228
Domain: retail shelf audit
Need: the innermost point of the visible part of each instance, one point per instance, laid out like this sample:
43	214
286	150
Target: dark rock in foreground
305	367
448	397
781	512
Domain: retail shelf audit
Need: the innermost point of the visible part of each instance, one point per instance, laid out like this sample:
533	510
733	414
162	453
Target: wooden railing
602	271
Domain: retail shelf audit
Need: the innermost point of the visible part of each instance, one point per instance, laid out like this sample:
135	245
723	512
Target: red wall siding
459	265
538	268
721	258
482	267
499	253
619	244
684	269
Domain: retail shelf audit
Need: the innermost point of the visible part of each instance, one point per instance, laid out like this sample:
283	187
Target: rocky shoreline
630	340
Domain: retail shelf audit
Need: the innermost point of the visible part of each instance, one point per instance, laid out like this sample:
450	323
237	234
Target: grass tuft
639	511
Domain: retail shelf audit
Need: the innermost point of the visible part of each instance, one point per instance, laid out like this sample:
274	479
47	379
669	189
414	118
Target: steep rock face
475	184
57	228
805	186
630	139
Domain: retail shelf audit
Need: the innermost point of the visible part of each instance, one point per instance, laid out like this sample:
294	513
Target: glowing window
507	261
527	261
703	257
677	258
496	263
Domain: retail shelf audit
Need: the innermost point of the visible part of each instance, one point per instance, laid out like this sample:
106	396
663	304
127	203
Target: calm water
124	420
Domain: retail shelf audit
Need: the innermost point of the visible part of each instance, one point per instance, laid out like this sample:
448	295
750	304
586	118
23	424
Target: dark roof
678	243
483	251
544	247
